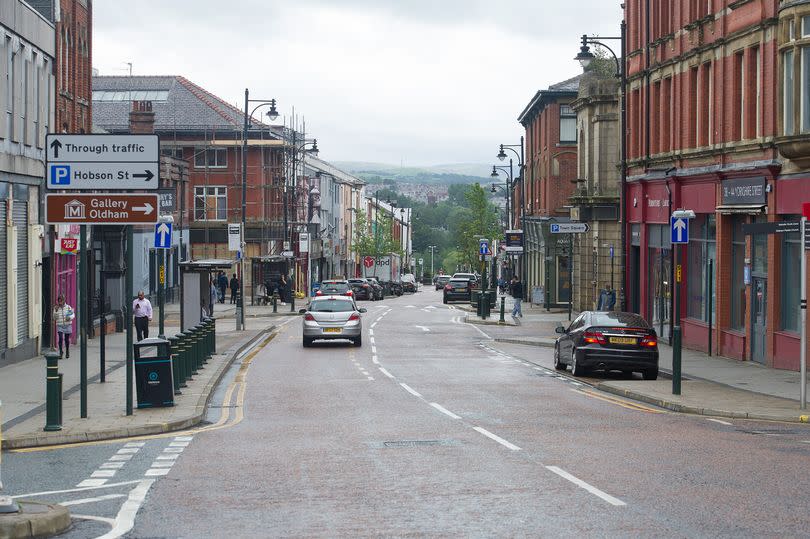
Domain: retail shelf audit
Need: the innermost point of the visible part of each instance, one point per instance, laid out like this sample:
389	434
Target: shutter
3	278
20	218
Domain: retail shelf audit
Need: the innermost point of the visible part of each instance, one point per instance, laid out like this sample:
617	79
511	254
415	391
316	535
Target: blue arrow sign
483	248
163	236
679	229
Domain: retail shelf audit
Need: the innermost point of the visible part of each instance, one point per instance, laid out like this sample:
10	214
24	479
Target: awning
747	209
207	264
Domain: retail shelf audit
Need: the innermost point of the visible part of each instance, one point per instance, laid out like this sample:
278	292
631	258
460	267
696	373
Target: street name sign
679	229
101	209
569	228
102	162
163	236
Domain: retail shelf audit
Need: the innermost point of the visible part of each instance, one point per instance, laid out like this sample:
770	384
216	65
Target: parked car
457	290
362	289
335	287
408	283
332	317
607	340
471	277
379	291
441	281
395	288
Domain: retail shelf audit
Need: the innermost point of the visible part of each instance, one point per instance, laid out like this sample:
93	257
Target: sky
402	82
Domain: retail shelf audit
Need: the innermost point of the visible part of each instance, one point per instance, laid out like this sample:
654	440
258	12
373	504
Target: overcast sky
418	82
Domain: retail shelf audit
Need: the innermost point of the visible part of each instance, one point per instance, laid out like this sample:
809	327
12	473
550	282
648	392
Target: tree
481	221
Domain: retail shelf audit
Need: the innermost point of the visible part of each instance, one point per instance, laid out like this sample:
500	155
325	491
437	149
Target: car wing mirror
302	311
560	329
362	310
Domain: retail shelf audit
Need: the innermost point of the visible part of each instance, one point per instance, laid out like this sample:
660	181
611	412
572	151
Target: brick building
549	180
715	125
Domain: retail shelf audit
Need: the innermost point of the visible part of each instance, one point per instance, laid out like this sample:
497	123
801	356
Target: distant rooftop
566	88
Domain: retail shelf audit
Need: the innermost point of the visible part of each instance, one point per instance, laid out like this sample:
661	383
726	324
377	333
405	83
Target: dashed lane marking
582	484
719	421
497	438
444	410
385	372
410	390
375	360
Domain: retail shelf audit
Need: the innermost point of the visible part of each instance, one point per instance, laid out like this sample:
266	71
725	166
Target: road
429	429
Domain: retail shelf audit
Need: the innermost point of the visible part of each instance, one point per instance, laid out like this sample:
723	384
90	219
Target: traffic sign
101	208
102	162
569	228
483	247
163	236
679	230
287	254
421	261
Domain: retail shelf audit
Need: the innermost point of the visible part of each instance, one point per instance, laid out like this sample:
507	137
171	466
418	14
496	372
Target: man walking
142	310
516	289
222	282
234	288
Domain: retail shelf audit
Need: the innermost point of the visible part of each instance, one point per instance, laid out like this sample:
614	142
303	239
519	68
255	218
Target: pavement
711	385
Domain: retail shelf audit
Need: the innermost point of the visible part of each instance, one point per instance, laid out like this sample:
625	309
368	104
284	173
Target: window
787	89
701	249
210	203
759	250
216	158
568	125
805	51
10	87
176	153
791	282
805	26
737	274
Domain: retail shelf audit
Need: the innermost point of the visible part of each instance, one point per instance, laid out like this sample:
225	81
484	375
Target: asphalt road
429	429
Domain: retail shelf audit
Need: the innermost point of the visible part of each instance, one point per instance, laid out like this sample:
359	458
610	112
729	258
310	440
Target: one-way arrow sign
163	236
679	229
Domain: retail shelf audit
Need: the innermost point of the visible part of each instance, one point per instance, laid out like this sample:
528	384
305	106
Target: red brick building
706	132
74	61
550	174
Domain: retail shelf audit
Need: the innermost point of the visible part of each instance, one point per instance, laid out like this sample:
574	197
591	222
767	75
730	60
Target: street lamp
521	171
585	57
272	114
432	250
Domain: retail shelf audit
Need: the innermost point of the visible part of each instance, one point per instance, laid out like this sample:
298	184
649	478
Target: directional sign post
569	228
101	208
102	162
163	236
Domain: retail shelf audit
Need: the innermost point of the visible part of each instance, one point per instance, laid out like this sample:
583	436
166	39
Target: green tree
481	221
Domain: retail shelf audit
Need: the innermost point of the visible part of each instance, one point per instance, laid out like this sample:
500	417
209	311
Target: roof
566	88
178	104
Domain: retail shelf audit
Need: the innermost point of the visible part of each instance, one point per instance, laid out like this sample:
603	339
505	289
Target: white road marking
479	331
423	328
374	324
70	490
93	500
410	306
410	390
719	421
538	368
576	384
498	439
371	378
371	340
444	410
179	444
370	332
125	519
373	349
156	472
105	520
385	372
163	463
173	450
183	438
128	450
364	373
375	360
582	484
103	473
135	444
92	483
112	465
167	457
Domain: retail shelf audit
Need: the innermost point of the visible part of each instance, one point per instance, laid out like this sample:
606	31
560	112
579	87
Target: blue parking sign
60	175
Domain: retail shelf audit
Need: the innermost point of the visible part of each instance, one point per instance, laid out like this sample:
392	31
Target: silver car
333	317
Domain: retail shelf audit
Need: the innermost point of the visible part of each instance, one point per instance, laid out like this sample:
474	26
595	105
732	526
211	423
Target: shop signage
514	241
101	208
745	191
780	227
167	199
69	246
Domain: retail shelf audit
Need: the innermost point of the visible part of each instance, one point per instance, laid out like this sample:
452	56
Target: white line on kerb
375	360
498	439
444	410
720	421
582	484
410	390
385	372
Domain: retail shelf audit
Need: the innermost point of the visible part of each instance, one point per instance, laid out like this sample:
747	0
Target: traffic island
34	519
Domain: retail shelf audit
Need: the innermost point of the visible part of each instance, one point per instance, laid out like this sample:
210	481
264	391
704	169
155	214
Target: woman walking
63	315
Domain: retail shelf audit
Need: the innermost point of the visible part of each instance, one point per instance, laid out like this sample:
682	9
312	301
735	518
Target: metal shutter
20	218
3	277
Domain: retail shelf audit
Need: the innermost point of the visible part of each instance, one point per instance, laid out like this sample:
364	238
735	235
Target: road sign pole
676	330
570	275
803	305
162	294
83	318
130	294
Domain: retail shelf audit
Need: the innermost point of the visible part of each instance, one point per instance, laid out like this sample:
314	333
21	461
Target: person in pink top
142	310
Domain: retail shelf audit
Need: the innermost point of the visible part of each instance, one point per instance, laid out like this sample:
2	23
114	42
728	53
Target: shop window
737	274
210	204
700	283
791	259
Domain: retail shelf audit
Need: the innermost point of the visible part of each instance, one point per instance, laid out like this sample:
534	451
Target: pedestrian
282	289
63	315
516	290
234	288
222	281
142	310
213	297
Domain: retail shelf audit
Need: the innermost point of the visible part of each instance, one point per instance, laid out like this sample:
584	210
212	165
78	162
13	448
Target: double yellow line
619	402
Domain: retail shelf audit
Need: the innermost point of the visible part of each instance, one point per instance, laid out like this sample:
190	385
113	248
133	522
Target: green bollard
53	399
213	336
209	331
200	345
195	349
275	304
182	366
292	303
503	310
176	374
190	364
204	342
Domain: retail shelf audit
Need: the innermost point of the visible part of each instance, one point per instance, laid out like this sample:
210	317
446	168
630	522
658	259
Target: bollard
209	340
176	374
275	303
199	343
292	303
204	341
213	336
485	307
53	399
191	366
182	358
503	310
195	349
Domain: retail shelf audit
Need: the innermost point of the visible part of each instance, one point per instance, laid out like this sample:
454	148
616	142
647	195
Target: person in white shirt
63	315
142	311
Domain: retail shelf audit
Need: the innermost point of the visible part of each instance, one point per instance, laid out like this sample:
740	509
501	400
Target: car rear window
331	306
618	319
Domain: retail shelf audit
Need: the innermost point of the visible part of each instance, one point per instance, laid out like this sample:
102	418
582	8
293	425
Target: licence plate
622	340
461	289
331	330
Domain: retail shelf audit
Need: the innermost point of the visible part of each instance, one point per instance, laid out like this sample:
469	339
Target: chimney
141	119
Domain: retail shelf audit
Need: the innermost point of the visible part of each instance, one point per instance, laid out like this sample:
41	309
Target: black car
457	290
441	281
363	289
608	340
379	291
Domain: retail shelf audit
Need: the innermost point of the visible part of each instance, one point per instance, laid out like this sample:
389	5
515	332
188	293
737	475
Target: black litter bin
154	379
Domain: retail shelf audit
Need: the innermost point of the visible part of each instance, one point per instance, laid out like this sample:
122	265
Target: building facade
548	180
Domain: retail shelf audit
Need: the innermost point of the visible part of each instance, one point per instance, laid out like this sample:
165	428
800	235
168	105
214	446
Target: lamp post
585	57
272	114
432	250
521	171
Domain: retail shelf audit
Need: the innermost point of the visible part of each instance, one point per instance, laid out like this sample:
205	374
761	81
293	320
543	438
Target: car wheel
650	374
358	341
559	365
576	368
307	342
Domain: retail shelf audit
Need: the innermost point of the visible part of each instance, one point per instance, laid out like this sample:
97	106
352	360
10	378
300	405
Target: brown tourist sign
101	209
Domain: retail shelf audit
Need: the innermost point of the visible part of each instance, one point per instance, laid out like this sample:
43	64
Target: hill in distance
438	174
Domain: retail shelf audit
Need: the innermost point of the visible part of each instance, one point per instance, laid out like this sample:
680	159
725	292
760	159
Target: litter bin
154	380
